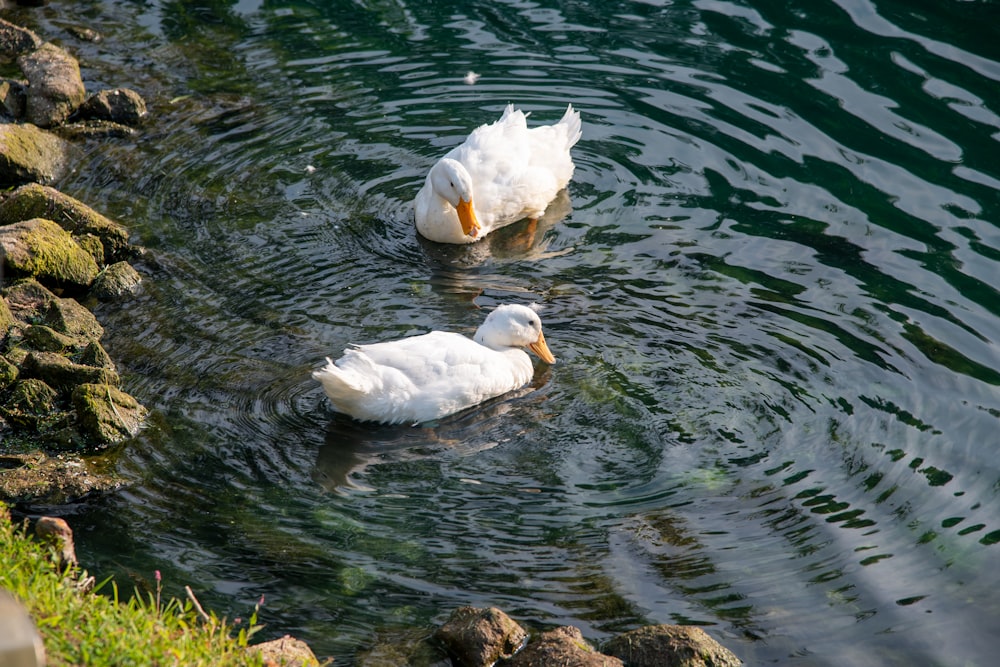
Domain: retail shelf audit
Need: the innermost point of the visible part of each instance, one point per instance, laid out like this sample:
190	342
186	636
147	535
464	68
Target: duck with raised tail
427	377
504	172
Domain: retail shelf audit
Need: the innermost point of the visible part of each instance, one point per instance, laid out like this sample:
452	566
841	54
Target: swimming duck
503	173
421	378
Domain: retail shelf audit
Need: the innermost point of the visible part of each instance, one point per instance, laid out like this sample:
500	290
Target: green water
771	287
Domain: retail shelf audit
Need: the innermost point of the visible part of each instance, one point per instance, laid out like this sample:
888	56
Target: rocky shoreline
60	397
61	403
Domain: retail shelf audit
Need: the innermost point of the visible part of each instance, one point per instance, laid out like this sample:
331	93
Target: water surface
771	287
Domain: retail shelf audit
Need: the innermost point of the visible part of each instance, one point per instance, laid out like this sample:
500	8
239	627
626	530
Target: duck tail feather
574	126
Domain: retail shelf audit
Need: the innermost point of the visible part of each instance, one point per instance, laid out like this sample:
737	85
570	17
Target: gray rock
31	155
670	646
41	249
55	87
121	105
30	301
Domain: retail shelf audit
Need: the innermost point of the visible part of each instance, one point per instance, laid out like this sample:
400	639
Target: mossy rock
116	281
63	374
8	373
42	249
30	403
6	318
95	355
105	414
30	154
53	480
69	317
39	201
46	339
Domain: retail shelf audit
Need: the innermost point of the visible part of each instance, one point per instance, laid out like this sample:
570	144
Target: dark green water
772	290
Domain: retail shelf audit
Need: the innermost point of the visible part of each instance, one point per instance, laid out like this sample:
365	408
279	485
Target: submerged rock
29	154
670	646
39	201
41	249
480	637
55	87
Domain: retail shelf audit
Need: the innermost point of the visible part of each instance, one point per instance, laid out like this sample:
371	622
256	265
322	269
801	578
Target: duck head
514	326
451	181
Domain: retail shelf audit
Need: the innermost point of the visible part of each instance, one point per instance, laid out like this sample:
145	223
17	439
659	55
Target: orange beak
540	348
467	216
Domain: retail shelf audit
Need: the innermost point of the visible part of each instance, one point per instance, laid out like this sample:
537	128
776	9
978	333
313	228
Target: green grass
81	628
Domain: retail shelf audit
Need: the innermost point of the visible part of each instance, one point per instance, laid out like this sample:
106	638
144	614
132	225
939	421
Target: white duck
421	378
503	173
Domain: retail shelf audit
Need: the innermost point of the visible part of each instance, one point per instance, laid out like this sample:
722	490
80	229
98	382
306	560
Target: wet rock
8	373
670	646
285	651
107	415
116	281
30	301
565	647
62	374
121	105
46	339
55	87
95	355
39	201
29	154
30	403
84	33
38	479
94	129
480	637
15	41
43	250
13	98
57	533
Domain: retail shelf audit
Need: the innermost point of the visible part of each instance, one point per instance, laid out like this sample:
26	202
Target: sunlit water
771	287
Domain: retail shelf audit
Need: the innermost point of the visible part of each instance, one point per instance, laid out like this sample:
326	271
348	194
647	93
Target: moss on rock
63	374
30	402
39	201
42	249
107	415
30	154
